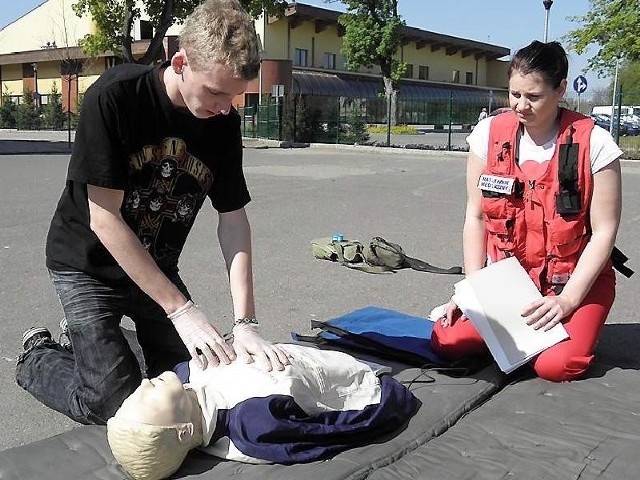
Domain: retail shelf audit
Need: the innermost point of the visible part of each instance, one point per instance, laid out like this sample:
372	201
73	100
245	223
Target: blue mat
381	332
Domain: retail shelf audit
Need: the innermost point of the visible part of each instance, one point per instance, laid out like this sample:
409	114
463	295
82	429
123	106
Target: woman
543	184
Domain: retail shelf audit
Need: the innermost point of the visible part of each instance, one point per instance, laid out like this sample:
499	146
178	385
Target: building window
146	30
423	72
468	78
455	76
409	72
300	59
329	60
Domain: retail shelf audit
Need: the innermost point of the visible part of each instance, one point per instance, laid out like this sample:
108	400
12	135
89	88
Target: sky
507	23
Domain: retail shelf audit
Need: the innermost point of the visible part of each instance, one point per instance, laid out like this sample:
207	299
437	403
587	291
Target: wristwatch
246	321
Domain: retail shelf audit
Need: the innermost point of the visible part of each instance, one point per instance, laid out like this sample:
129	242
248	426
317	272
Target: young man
324	402
152	144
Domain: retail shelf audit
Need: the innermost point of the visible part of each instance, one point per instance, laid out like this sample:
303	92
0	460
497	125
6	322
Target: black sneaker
35	336
64	338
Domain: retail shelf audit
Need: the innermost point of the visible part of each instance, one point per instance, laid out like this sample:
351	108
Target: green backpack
378	256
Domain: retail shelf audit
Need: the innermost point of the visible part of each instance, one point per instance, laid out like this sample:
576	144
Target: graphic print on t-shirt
167	188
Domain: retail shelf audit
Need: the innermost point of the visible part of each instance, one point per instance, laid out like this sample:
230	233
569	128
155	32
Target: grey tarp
83	453
467	428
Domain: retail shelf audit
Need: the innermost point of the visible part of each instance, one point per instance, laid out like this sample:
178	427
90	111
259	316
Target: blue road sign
580	84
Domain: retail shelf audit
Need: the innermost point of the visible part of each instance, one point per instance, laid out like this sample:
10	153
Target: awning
333	85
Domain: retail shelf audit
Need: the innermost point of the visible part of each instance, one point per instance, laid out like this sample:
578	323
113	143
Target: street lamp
35	84
613	100
547	6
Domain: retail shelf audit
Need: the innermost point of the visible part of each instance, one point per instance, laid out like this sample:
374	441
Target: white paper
492	298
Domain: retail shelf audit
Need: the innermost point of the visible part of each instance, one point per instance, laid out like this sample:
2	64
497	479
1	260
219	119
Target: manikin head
219	54
154	429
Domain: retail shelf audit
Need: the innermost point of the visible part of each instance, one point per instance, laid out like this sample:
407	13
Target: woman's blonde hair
221	31
148	452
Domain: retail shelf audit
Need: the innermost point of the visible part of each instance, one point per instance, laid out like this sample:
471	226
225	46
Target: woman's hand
547	312
452	315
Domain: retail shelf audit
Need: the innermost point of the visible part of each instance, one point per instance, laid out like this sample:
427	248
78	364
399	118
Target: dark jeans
90	383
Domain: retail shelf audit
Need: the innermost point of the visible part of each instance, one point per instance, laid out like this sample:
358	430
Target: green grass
631	147
397	130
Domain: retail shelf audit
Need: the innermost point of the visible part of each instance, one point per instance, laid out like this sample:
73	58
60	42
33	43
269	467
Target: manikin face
159	401
534	101
208	92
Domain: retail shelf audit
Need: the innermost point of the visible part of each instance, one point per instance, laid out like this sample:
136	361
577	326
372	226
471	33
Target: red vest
525	222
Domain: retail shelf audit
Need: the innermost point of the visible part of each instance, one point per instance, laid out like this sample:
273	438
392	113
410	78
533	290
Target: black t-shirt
132	138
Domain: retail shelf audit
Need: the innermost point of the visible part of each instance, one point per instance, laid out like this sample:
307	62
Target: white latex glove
250	346
202	339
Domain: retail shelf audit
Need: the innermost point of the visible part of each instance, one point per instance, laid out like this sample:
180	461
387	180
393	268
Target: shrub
28	115
54	117
8	111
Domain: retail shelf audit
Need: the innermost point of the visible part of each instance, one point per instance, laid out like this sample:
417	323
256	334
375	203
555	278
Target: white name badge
497	184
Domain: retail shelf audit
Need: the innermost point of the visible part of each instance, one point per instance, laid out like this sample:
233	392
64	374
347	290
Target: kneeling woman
558	213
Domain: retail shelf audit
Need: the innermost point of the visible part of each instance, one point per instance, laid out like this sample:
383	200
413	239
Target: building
301	55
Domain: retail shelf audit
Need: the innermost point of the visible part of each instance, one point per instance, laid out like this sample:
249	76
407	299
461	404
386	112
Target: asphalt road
415	199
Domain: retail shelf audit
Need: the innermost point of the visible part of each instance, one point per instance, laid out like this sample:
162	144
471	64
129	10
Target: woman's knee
562	369
452	342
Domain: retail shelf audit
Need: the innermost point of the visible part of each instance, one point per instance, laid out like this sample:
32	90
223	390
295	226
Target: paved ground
25	142
413	198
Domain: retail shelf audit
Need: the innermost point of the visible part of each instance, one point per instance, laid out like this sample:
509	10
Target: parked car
601	120
626	128
632	128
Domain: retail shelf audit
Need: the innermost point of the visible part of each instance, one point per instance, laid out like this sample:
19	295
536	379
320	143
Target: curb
34	147
263	144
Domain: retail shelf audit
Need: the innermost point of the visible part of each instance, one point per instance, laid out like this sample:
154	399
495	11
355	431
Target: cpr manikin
321	404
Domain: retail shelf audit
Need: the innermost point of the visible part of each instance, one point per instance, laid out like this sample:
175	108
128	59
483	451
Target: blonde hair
221	31
147	452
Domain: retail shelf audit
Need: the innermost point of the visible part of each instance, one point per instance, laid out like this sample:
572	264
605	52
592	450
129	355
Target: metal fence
322	119
345	119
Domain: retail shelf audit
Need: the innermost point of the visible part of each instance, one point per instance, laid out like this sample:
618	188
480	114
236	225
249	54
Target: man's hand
203	340
249	345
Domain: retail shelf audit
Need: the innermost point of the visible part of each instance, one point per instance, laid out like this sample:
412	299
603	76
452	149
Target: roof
299	12
345	85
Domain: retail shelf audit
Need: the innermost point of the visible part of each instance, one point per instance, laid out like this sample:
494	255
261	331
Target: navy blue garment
280	431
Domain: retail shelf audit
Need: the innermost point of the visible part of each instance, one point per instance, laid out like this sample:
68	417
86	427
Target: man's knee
97	407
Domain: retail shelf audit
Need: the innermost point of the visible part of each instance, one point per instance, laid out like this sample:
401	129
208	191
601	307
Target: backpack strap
370	345
422	266
618	259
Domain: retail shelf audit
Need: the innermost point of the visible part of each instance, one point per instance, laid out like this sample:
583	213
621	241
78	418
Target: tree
53	114
602	96
297	121
613	26
8	110
28	114
357	131
629	84
372	37
115	18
